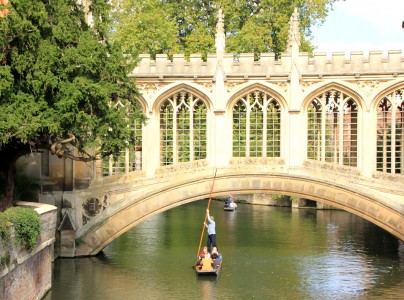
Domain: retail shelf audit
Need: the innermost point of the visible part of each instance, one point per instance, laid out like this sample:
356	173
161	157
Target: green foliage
277	197
4	228
26	222
294	198
254	26
62	84
144	27
59	76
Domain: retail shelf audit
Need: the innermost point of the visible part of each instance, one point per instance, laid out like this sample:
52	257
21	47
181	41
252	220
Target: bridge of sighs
329	128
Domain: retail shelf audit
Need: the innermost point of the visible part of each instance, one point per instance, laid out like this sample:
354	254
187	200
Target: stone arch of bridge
356	199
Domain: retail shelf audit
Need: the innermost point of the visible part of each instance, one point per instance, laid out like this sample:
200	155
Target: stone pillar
367	145
295	125
98	167
220	133
295	137
220	139
138	160
151	142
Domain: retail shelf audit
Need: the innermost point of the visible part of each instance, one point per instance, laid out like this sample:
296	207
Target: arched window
332	132
256	126
390	135
129	159
183	129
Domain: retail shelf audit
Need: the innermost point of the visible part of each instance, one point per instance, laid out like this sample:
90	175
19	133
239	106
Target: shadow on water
104	258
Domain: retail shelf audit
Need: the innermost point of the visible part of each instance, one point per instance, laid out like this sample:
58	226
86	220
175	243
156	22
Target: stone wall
28	274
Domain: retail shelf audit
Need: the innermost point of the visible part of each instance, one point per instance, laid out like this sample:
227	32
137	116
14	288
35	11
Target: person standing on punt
211	231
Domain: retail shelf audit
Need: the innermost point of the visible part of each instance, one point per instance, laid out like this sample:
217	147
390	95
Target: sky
362	25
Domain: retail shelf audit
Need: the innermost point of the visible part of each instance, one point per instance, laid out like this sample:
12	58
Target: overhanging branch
60	148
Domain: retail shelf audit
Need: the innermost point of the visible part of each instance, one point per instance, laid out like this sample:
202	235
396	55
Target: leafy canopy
189	26
60	78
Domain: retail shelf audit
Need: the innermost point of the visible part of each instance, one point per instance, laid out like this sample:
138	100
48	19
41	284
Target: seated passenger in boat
217	261
202	255
207	263
216	256
203	252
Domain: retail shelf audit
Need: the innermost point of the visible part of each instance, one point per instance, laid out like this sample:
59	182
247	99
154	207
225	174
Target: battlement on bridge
268	66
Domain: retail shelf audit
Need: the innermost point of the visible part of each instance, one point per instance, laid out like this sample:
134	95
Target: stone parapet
245	65
28	274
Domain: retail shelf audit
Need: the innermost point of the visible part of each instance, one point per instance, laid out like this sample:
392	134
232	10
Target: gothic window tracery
256	126
332	132
129	159
183	129
390	134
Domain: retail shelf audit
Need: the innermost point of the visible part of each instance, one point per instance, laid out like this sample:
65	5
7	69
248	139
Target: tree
256	26
144	26
59	82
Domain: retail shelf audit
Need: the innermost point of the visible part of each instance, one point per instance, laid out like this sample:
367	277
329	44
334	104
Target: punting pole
206	215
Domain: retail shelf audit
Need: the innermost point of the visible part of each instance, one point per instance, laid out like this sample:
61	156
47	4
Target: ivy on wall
27	226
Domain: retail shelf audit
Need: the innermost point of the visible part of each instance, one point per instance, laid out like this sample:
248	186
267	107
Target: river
268	253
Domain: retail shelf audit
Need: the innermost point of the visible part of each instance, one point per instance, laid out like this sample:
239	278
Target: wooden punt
212	272
228	208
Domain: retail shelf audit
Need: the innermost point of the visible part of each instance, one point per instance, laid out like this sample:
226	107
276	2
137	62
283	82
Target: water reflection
207	286
271	253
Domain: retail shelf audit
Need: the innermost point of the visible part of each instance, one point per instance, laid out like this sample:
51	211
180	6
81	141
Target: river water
268	253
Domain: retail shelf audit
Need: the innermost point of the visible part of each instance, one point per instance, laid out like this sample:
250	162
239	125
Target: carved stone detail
282	85
305	85
93	206
187	167
150	88
368	86
294	32
260	161
207	85
230	86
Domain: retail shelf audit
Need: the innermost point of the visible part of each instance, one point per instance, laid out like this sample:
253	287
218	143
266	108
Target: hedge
27	225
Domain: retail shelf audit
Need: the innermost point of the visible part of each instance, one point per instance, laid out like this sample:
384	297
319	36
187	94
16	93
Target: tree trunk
7	176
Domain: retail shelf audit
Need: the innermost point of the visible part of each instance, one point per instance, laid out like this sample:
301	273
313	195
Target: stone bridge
329	129
113	205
